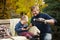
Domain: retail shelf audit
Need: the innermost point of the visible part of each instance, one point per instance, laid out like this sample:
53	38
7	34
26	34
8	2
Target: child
21	28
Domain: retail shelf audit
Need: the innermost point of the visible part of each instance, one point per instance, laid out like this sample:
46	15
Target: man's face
35	11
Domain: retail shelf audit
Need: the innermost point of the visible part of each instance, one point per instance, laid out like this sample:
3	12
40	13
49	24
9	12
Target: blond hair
24	18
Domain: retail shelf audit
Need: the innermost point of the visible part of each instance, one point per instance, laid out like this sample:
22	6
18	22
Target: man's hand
50	21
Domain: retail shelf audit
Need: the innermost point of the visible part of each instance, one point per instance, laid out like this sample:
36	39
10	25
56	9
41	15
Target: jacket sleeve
18	27
49	17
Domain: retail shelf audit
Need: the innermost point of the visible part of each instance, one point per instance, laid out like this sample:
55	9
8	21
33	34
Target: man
42	22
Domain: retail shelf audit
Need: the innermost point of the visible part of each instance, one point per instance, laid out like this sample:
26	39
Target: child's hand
24	28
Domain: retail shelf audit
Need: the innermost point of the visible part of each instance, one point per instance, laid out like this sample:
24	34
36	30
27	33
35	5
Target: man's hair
33	7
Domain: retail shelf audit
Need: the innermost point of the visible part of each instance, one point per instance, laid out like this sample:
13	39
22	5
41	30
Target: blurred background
10	9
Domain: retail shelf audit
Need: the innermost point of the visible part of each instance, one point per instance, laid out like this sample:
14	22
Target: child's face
24	22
